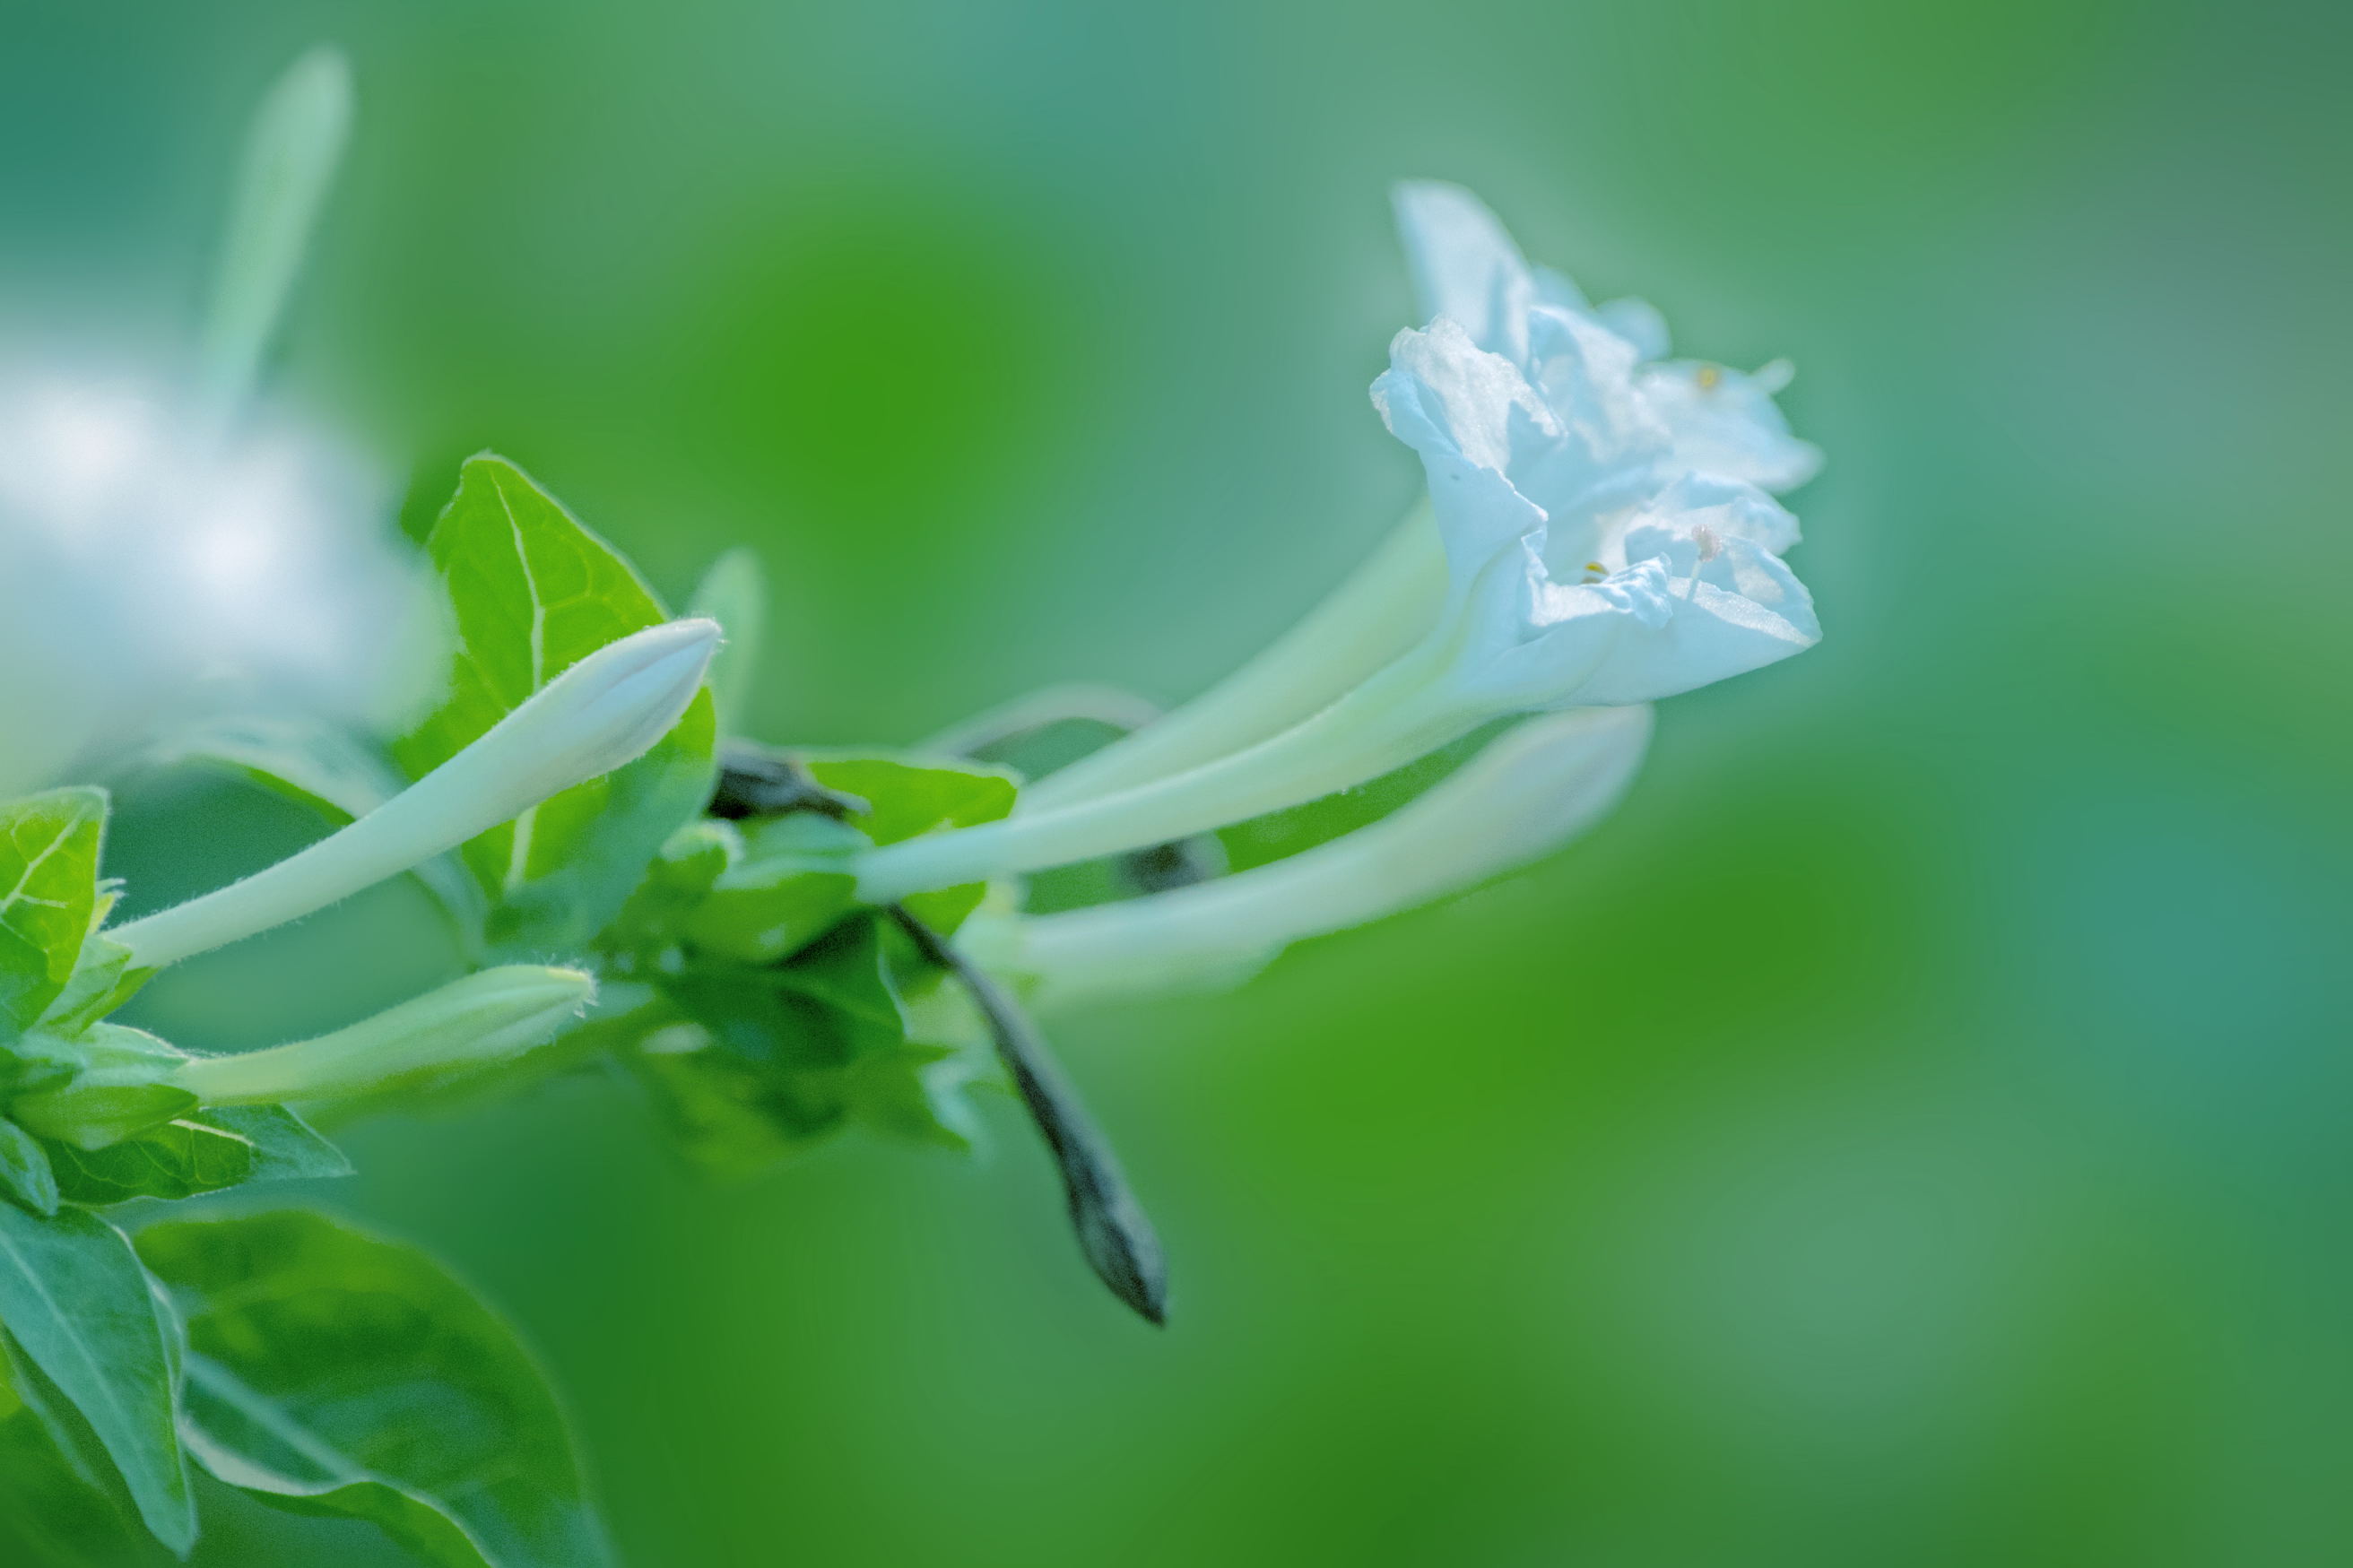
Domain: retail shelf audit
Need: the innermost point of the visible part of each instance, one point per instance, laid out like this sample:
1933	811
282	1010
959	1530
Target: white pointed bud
598	715
476	1022
1521	798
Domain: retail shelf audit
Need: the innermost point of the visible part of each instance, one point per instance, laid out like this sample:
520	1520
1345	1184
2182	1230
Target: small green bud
467	1025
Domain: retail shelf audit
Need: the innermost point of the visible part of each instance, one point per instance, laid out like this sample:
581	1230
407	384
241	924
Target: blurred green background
1913	1130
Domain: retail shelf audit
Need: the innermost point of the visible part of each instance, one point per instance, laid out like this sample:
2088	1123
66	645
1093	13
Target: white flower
1597	367
1611	589
588	720
162	548
1601	538
1599	420
1521	798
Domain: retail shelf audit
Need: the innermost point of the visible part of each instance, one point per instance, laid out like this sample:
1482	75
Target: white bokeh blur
172	547
150	573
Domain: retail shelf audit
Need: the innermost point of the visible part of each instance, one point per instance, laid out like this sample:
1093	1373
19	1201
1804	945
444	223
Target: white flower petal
1735	610
1724	422
1730	509
1638	323
1466	411
1464	264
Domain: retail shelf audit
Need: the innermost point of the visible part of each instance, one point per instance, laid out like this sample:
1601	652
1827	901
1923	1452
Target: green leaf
901	1092
689	862
25	1176
733	1116
908	798
790	886
103	981
848	976
534	592
334	1373
48	893
58	1493
106	1084
911	798
772	1060
204	1151
735	592
320	769
75	1298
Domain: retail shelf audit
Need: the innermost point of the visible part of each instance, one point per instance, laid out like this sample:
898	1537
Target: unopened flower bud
467	1025
598	715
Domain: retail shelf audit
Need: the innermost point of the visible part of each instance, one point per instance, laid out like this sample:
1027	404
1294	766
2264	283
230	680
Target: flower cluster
776	945
1600	532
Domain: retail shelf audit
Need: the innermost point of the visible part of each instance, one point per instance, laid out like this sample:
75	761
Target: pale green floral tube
1523	798
474	1023
599	714
1383	724
1384	607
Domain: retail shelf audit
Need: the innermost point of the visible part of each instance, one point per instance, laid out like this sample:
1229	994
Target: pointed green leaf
338	1375
902	1091
789	888
908	798
735	592
533	593
103	981
48	891
25	1176
106	1084
203	1151
774	1058
732	1116
61	1505
75	1298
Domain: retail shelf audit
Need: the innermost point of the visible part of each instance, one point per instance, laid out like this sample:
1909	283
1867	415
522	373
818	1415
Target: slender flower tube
1702	600
1365	733
1521	798
1381	610
469	1023
596	716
